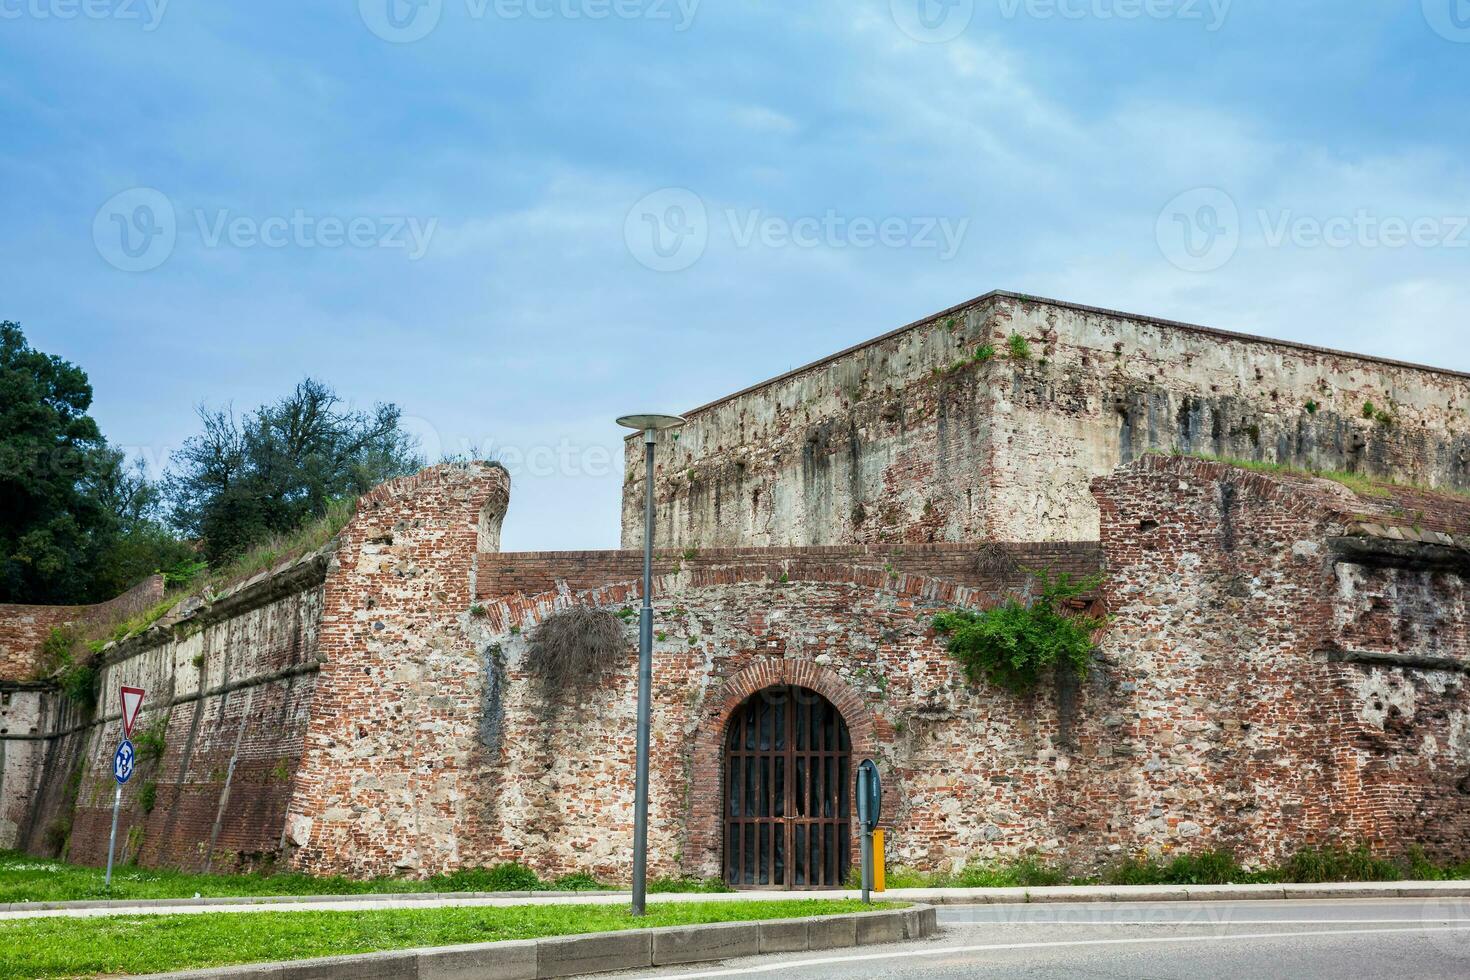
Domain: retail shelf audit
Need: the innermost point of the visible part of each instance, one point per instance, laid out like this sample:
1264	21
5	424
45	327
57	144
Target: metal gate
788	792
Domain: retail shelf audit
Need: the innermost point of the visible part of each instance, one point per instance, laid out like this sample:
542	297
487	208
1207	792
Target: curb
923	896
600	952
1183	893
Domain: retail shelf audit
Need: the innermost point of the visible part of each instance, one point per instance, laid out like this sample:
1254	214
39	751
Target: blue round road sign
123	762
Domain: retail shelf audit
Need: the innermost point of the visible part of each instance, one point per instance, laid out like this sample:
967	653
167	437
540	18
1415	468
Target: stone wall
241	684
1289	670
229	687
381	786
1286	665
908	438
23	629
491	765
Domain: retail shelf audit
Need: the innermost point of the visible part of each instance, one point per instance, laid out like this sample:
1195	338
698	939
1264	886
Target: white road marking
1003	947
1221	922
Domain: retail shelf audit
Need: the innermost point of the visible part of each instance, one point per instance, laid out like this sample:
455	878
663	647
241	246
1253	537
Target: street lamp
649	425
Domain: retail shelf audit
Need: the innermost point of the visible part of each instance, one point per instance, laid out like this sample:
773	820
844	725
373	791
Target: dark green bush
1015	646
578	882
1319	864
687	883
508	877
1204	868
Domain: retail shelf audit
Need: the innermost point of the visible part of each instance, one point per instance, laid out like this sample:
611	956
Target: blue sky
519	219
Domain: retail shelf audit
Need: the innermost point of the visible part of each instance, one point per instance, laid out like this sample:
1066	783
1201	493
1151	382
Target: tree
242	480
49	449
136	542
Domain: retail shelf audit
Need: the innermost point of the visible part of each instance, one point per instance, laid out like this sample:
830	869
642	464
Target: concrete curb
602	952
1181	893
926	896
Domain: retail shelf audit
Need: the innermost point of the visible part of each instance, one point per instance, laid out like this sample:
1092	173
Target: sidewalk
926	896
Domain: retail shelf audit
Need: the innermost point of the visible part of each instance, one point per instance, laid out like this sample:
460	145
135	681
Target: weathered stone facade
909	438
1286	663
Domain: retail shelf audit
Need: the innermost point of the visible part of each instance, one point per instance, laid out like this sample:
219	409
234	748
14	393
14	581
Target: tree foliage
1016	645
78	524
244	479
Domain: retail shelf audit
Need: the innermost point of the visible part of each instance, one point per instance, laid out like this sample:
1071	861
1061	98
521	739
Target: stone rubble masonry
907	438
387	775
1286	665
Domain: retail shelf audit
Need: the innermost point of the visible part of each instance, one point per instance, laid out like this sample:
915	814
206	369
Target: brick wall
1286	665
23	629
1236	610
379	787
229	689
966	564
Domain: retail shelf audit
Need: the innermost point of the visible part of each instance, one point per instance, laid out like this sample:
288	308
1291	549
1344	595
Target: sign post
870	804
124	761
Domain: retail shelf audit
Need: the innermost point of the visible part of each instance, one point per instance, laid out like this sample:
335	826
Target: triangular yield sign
132	703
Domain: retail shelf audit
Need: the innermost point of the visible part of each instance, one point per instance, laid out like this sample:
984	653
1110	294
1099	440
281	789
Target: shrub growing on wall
1017	645
574	646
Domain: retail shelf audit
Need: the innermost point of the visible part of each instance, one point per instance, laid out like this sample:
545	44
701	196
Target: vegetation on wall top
1017	645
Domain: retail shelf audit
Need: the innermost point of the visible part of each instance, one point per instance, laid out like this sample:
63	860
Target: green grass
27	879
1361	485
68	947
1308	866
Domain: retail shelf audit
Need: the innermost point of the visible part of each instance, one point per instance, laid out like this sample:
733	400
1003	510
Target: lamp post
649	425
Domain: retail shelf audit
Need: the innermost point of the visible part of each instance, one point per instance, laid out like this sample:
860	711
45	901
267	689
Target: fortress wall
23	629
907	438
1294	660
229	688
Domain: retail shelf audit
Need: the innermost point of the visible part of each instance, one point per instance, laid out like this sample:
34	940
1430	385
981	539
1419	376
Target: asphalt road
1334	939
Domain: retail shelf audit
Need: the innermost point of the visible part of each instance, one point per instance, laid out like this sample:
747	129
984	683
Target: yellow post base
878	862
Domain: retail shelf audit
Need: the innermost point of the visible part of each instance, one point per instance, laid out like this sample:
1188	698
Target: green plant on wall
150	741
1016	645
1018	347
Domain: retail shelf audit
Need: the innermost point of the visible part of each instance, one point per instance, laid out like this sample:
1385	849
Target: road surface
1335	939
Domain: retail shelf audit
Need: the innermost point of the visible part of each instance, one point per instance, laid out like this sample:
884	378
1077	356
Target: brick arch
706	796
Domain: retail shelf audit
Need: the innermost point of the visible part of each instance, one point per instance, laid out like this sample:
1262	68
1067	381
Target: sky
520	219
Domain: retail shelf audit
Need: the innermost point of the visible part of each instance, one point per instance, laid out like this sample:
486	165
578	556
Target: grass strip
123	945
29	879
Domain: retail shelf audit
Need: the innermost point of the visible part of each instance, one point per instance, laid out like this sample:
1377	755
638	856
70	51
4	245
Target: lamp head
645	423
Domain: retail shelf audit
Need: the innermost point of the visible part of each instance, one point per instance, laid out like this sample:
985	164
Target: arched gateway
788	791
